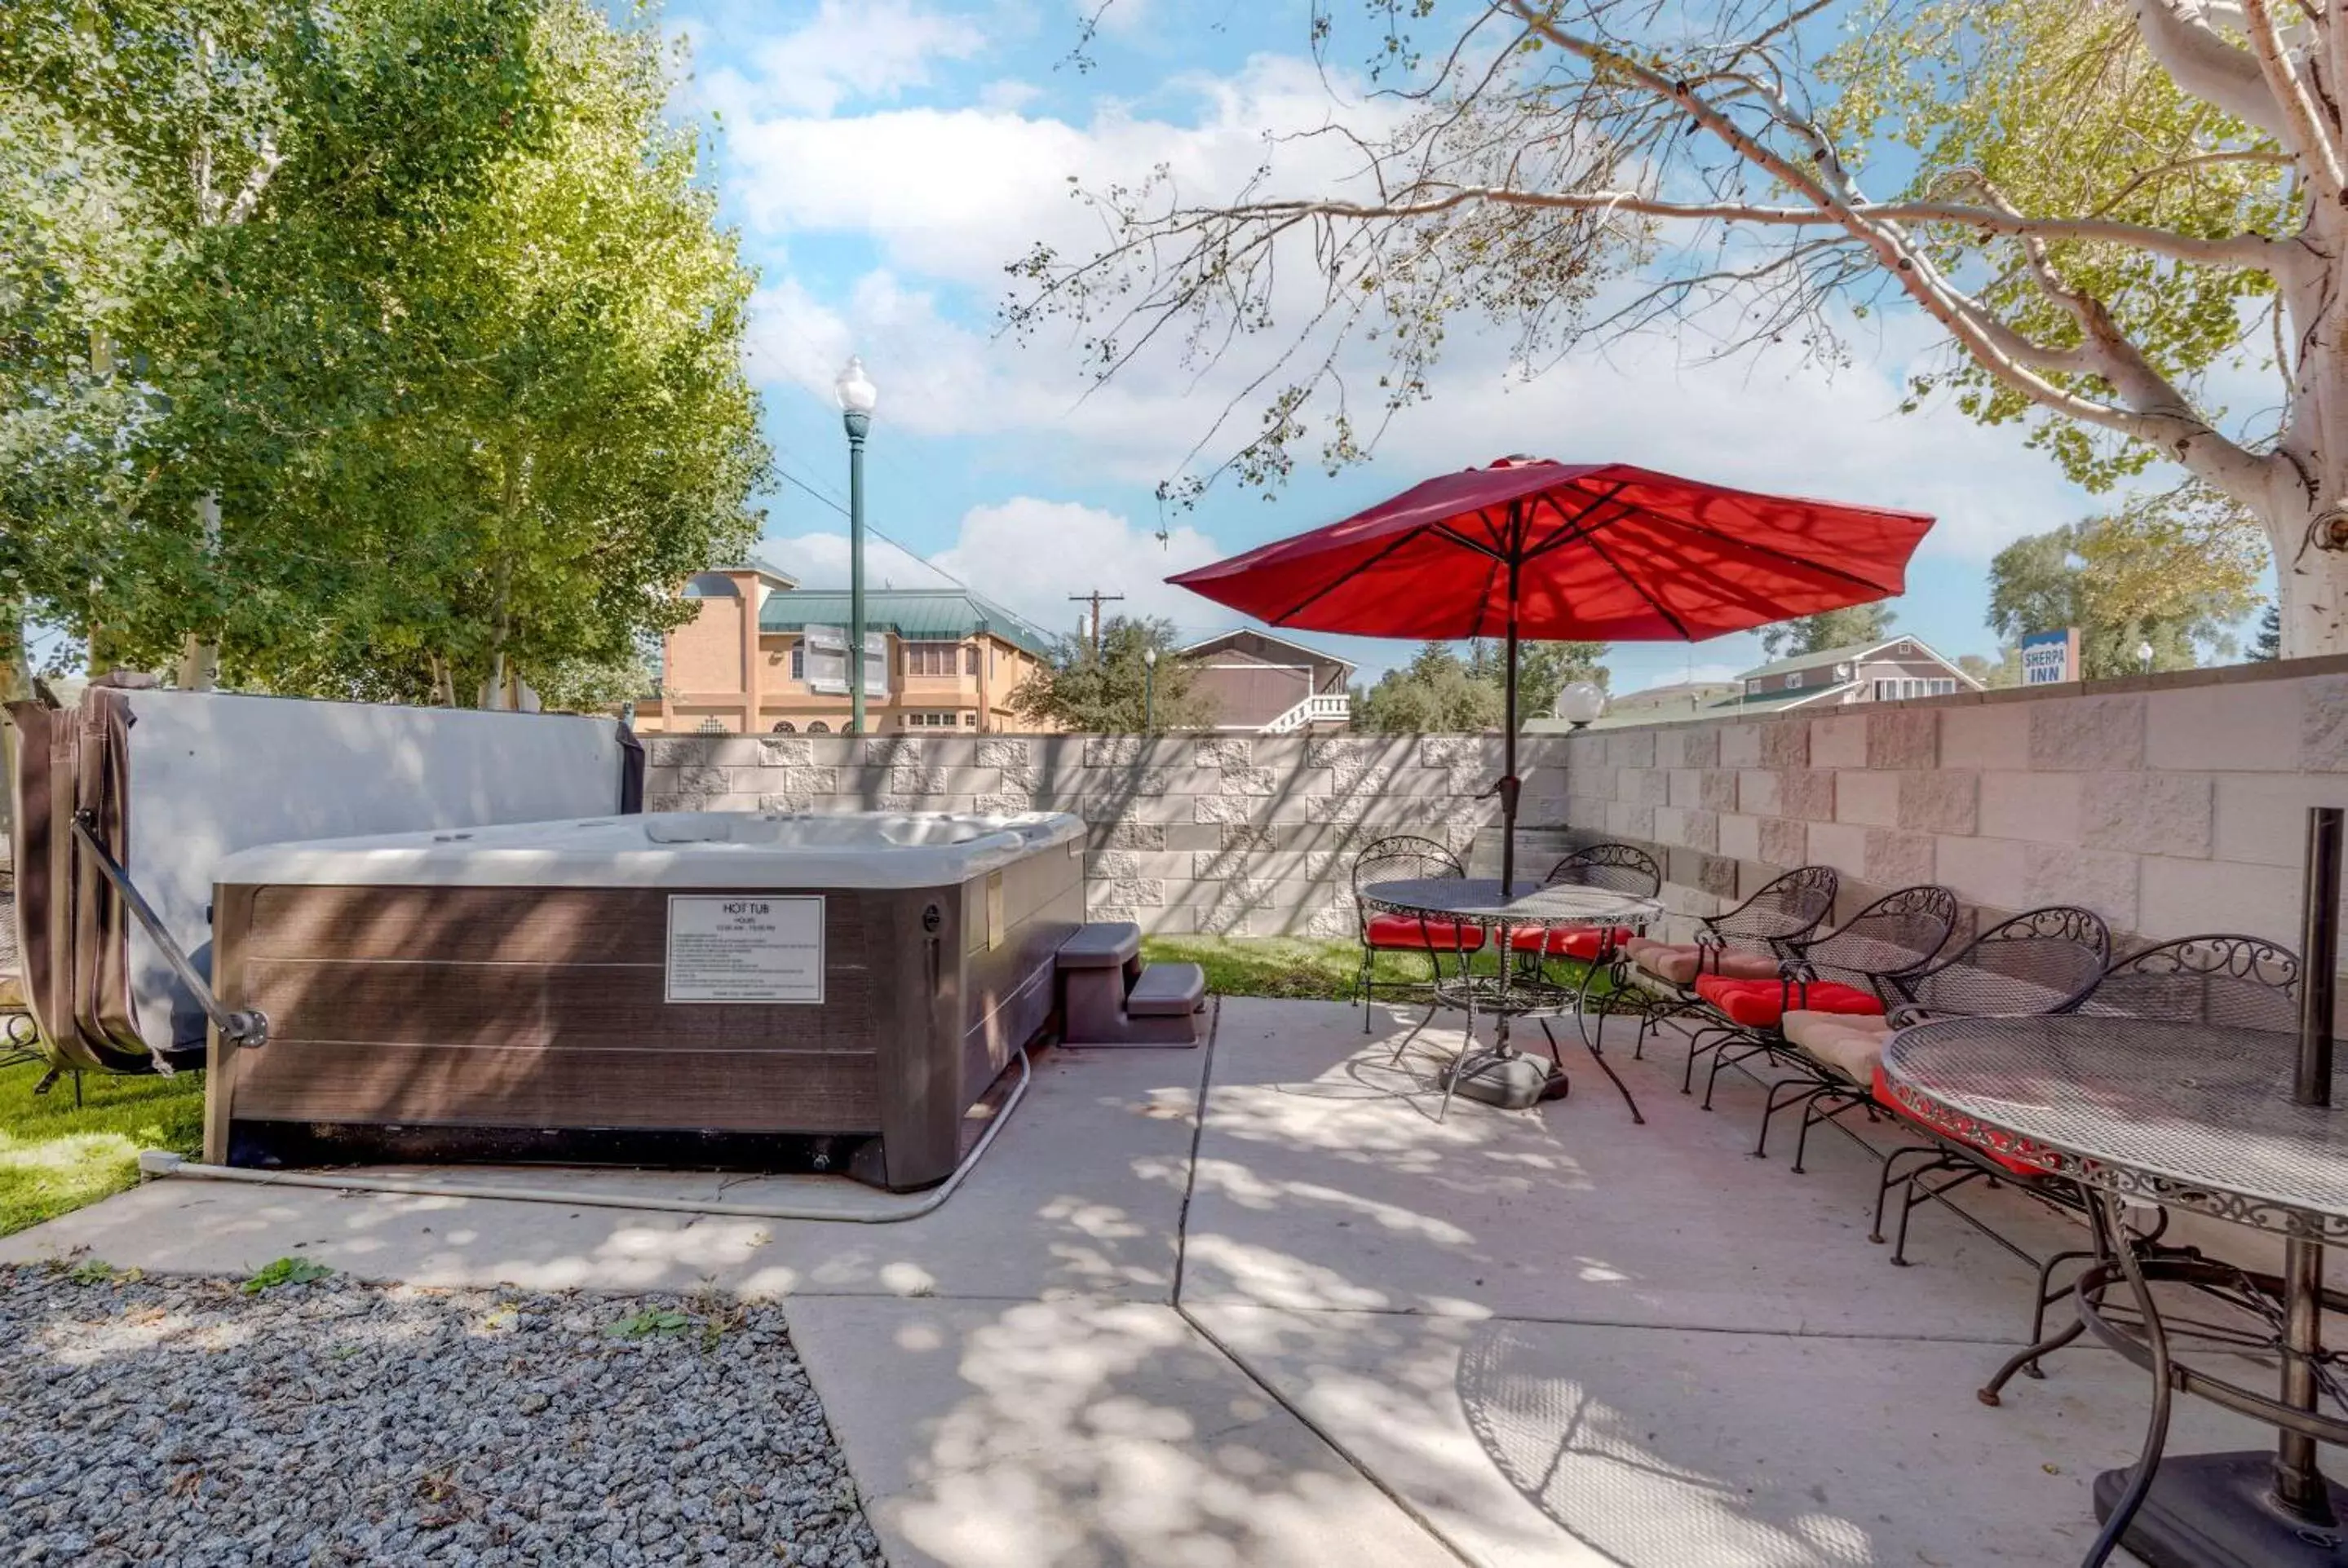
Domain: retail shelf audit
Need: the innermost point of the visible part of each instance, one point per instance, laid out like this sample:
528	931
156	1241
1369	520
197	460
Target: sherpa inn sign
2050	657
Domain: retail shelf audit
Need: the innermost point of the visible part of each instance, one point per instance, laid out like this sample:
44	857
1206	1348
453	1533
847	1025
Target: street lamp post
1149	691
857	397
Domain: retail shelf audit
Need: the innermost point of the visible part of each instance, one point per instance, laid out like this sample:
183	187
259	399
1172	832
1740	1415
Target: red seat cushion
1761	1004
1410	931
2014	1162
1583	942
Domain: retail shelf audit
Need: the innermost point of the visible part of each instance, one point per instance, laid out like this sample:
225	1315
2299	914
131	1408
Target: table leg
2299	1485
2270	1509
2156	1433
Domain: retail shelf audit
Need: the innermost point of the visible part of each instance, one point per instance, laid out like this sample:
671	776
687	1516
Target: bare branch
2180	37
2306	131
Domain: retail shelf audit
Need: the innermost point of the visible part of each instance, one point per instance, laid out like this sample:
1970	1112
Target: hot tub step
1107	1000
1102	945
1167	990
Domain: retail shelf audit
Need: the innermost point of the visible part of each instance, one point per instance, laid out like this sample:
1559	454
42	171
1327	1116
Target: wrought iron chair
1616	868
1656	980
2241	982
1851	969
1402	856
2045	961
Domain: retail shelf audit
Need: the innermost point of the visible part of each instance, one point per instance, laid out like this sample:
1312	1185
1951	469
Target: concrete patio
1255	1305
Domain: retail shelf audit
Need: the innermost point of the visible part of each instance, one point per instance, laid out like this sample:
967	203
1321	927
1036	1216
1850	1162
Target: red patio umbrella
1556	551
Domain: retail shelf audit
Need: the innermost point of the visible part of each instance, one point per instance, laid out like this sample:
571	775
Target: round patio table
1507	994
2193	1116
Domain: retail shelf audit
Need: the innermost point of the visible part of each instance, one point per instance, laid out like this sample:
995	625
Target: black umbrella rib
1579	527
1786	556
1661	608
1342	578
1466	541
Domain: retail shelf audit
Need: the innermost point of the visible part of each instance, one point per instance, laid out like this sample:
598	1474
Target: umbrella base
1512	1083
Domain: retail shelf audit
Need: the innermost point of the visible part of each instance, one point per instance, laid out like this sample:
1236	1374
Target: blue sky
884	159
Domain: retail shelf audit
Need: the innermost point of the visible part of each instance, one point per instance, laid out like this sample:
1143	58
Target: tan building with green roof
764	656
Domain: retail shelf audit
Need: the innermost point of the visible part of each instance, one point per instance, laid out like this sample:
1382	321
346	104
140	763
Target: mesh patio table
2192	1116
1511	992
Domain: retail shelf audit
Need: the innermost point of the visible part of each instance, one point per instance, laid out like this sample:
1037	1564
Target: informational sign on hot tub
734	948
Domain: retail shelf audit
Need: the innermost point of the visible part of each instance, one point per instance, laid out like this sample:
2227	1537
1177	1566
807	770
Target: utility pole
1097	599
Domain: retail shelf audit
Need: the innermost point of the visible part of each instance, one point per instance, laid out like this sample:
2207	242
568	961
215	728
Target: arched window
711	585
783	727
713	725
818	727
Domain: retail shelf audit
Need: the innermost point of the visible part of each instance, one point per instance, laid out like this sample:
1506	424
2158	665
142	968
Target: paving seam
1875	1337
1628	1323
1181	1256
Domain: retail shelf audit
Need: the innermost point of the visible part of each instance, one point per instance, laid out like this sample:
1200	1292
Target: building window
938	721
970	721
713	725
970	660
818	727
798	661
783	727
1887	689
930	658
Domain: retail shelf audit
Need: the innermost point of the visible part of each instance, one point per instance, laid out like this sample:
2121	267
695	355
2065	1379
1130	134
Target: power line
810	489
920	559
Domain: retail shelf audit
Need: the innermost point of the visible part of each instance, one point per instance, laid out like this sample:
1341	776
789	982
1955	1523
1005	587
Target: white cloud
1033	554
947	195
851	49
1770	425
820	561
1008	95
954	193
1029	555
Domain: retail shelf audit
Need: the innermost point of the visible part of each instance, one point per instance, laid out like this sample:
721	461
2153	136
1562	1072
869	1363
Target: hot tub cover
673	849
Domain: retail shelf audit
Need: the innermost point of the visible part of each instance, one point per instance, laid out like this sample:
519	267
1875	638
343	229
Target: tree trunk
15	685
495	692
15	662
199	654
2314	590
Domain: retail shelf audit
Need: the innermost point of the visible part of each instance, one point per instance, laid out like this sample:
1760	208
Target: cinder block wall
1232	834
2168	804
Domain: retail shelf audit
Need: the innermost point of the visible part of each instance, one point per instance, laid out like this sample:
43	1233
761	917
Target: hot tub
770	990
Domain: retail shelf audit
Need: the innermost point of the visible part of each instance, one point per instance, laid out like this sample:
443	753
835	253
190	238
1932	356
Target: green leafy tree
2267	646
1119	692
1848	627
1543	669
1438	690
2005	670
2168	573
436	367
2112	214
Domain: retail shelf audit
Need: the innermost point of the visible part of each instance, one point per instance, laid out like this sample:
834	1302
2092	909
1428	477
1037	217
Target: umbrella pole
1509	745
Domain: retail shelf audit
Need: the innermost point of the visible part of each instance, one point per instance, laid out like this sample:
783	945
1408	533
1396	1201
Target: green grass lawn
54	1158
1312	969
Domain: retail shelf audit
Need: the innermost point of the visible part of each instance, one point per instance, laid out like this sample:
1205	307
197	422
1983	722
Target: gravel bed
180	1420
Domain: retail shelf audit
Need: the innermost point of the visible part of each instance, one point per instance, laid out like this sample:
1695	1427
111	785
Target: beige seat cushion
1677	962
1850	1043
12	994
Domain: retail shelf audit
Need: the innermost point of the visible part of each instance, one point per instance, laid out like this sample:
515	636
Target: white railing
1322	707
